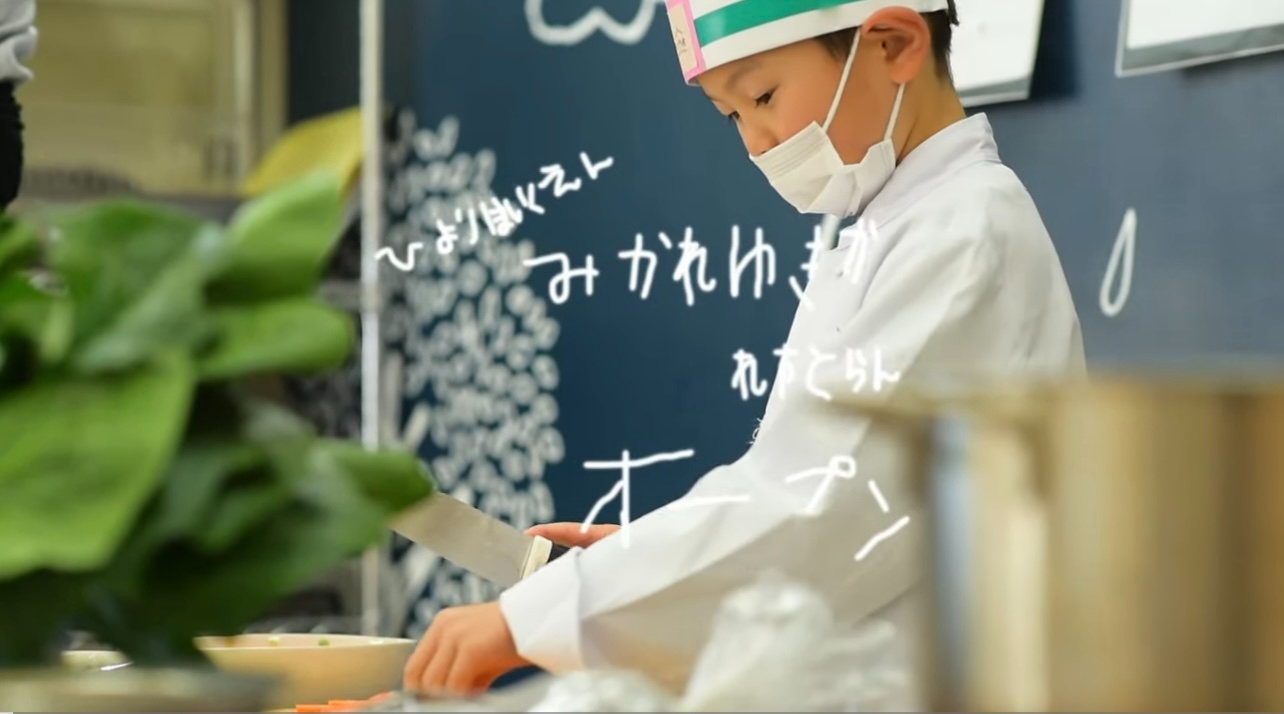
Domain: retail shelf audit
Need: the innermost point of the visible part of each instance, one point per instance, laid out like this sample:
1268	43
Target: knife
479	543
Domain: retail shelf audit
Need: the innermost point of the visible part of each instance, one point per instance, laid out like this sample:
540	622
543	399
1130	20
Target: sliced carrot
313	708
347	704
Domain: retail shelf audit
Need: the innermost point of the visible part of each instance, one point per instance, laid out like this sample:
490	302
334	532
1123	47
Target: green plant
146	494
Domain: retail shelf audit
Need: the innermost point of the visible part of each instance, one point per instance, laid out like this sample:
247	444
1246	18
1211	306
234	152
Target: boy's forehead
725	78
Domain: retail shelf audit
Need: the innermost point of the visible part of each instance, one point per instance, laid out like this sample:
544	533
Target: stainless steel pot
1110	546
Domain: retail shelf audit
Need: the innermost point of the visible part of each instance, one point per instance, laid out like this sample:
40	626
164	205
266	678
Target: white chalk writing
746	377
559	288
1119	268
596	19
885	533
621	489
762	257
842	466
692	265
499	216
863	369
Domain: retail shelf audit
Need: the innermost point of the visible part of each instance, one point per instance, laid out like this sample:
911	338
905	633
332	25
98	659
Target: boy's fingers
568	534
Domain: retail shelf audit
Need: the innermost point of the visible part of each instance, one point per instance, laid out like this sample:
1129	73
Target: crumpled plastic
774	648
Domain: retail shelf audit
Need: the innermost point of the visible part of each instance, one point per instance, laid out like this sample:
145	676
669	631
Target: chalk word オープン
499	216
691	270
864	369
838	467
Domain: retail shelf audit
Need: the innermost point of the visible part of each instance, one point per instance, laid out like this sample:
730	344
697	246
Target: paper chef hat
711	33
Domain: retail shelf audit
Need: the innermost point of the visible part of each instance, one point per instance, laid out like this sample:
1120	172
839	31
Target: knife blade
479	543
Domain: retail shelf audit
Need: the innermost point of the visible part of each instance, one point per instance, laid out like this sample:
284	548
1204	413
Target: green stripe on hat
711	33
748	14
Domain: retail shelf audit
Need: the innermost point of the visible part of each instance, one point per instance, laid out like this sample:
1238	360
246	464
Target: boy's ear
903	41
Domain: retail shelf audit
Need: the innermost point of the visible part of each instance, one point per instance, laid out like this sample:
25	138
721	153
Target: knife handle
542	552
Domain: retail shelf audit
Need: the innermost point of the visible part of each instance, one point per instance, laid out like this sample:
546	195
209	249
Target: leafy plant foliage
146	494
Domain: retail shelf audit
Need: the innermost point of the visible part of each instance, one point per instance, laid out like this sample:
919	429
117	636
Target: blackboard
1195	154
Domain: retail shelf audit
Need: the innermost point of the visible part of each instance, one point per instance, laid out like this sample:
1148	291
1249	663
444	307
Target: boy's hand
569	535
465	649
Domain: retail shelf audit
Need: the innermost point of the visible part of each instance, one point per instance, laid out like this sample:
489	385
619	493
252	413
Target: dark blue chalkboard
1196	153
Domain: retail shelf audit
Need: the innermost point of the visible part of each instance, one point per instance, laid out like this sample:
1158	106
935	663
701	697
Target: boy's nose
759	141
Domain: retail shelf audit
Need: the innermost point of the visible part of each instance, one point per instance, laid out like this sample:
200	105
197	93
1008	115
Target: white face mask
808	172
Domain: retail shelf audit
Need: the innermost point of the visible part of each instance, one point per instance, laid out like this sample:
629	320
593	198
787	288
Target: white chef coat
958	274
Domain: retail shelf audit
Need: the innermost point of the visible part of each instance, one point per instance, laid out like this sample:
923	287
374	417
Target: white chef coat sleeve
645	599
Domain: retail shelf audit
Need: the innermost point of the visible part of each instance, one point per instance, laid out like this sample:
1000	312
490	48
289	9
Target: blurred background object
177	97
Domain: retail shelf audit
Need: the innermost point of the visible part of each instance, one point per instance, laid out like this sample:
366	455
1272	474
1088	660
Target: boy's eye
733	117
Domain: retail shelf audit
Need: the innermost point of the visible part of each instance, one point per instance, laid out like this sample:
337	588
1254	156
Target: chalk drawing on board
596	19
471	341
1119	269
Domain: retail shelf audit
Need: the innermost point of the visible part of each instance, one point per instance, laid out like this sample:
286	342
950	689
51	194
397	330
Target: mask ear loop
842	83
896	112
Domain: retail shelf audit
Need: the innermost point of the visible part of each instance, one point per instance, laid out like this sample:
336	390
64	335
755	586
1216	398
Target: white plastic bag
775	648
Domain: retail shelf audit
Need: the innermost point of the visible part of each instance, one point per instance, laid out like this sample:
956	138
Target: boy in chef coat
848	109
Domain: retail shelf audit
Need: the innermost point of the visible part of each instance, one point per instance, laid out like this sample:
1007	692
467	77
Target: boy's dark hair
941	23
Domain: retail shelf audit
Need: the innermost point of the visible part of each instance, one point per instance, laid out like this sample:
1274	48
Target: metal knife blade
479	543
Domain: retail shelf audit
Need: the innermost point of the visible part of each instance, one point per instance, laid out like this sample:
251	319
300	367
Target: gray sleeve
17	39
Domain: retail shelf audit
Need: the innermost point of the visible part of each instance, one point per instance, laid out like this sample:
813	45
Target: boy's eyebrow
737	75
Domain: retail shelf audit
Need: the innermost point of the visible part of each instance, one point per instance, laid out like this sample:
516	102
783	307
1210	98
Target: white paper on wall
995	46
1158	35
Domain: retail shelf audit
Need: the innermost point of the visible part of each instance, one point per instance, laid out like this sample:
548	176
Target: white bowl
313	669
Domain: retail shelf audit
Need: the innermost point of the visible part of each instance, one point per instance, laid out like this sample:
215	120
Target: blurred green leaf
266	423
327	522
395	480
111	255
292	336
145	494
280	243
239	510
38	318
186	502
168	313
19	244
82	458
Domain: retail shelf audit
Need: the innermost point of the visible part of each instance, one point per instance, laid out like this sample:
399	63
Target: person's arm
17	40
649	605
17	44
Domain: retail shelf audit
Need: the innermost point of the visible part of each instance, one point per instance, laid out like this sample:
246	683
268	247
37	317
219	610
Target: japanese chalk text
499	217
755	262
625	465
841	467
863	368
